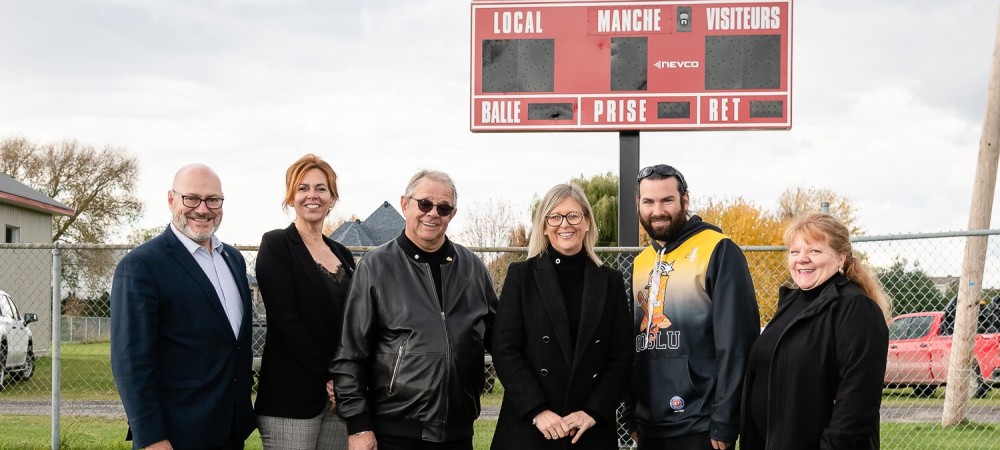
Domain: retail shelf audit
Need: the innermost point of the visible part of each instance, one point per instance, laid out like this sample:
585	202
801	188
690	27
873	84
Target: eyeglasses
425	206
192	201
555	220
666	172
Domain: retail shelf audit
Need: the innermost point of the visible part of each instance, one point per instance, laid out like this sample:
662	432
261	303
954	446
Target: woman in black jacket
815	374
562	342
303	277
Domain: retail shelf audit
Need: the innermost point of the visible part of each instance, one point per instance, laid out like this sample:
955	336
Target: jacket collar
180	253
594	290
830	293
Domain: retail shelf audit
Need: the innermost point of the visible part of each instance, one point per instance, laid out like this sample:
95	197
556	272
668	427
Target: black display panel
673	110
771	108
628	63
550	111
743	62
518	65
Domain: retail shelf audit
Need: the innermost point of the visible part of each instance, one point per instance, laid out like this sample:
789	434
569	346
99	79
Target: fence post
56	340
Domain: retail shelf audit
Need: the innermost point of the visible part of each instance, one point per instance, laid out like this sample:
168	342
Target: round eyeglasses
555	220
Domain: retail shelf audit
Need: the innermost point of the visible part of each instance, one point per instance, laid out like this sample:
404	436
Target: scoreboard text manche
630	65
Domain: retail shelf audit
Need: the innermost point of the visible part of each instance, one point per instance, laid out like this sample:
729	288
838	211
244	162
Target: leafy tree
750	225
797	201
602	193
910	288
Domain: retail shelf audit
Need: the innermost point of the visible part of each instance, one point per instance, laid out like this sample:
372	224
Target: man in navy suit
180	328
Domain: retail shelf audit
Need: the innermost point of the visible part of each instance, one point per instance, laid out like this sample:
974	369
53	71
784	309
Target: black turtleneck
759	362
435	259
569	269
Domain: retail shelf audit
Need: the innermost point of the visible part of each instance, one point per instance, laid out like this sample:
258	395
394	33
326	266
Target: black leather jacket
408	363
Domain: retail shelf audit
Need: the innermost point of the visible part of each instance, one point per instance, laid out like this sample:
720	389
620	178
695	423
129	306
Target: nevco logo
676	64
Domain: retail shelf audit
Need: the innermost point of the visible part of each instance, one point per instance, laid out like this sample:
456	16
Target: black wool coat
540	367
303	325
826	375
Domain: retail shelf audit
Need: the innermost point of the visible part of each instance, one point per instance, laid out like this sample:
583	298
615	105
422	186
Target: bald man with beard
180	328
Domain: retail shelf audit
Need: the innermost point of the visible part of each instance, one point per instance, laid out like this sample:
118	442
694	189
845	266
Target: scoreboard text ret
630	65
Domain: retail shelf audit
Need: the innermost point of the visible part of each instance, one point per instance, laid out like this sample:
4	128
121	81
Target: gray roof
15	188
383	225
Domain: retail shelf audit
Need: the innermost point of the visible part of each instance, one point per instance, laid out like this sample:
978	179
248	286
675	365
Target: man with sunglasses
409	369
180	328
695	318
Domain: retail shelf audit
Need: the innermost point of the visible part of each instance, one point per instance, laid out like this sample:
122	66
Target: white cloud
888	104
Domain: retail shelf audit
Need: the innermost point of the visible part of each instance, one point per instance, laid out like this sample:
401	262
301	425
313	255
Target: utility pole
962	362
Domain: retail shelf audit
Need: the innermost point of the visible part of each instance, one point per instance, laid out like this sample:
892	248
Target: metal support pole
628	170
56	340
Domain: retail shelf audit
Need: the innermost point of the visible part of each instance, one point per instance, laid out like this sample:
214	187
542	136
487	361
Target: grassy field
86	375
32	432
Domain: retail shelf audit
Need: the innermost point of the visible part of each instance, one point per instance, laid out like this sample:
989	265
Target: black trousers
700	441
402	443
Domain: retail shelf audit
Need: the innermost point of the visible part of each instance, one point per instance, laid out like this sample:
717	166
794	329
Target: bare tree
98	184
797	201
492	223
488	224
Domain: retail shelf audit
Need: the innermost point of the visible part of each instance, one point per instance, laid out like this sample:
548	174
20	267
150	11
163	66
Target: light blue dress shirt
214	265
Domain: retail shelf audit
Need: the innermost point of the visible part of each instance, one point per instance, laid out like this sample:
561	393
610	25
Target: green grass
905	397
86	375
32	432
85	372
77	433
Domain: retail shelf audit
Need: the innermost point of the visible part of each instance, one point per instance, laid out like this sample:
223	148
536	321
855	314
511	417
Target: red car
920	348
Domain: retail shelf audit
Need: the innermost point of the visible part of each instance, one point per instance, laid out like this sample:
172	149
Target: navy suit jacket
181	373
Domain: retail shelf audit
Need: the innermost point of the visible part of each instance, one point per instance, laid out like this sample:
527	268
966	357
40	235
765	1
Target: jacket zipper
447	340
395	369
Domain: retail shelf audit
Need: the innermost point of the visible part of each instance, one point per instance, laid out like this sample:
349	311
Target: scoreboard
630	65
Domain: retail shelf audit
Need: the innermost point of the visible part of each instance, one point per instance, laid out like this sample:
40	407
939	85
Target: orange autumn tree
749	225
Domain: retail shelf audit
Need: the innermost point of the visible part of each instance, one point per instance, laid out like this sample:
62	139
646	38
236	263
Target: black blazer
830	399
303	325
541	369
181	373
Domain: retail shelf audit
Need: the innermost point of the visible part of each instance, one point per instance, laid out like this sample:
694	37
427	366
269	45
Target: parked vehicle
17	354
920	349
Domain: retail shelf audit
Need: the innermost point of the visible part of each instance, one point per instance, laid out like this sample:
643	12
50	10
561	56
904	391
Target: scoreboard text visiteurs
630	65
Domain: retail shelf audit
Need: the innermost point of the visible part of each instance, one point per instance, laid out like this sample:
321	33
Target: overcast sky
888	102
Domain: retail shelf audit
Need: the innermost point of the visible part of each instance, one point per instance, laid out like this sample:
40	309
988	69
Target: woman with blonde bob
814	378
562	341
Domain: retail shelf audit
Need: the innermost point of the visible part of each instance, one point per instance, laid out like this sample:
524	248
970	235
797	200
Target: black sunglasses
666	172
425	206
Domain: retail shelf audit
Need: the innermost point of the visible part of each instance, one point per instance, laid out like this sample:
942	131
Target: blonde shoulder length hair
538	242
819	227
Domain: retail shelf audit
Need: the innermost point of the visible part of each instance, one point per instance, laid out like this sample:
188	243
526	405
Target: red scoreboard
630	65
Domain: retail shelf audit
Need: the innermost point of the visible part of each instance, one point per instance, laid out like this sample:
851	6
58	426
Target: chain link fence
919	271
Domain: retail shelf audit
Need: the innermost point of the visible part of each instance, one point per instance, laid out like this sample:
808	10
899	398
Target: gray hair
433	175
